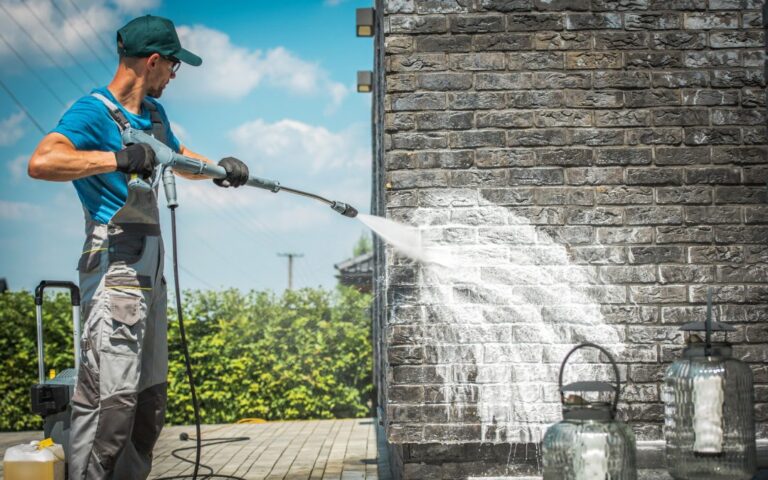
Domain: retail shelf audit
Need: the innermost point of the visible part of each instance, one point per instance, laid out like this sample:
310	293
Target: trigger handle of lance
138	183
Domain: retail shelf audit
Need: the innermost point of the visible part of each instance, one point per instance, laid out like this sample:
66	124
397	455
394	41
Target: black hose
208	443
188	363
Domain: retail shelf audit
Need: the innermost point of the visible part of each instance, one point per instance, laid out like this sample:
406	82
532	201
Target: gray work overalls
118	407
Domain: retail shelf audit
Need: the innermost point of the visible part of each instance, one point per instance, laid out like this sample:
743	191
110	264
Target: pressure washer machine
51	396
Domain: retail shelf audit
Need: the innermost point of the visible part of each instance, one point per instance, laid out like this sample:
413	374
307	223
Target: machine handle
74	293
74	290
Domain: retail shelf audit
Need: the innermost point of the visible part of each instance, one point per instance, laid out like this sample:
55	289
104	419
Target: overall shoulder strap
158	125
117	115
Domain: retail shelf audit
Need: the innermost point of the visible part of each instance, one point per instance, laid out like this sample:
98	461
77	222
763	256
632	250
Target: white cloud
18	167
227	71
282	67
333	3
298	144
39	17
18	210
10	129
337	92
232	71
135	6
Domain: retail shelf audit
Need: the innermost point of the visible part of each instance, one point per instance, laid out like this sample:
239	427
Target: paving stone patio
317	449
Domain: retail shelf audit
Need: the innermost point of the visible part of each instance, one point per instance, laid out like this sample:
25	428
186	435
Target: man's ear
153	60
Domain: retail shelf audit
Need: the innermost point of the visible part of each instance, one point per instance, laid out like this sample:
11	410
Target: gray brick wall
592	166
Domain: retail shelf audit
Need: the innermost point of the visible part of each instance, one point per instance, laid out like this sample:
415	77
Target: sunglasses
176	64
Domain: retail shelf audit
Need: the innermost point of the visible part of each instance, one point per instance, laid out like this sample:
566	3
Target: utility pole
290	256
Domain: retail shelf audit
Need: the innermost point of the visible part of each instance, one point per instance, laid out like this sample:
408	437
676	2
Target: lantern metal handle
613	364
709	326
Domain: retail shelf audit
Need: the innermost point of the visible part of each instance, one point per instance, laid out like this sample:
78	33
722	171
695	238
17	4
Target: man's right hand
138	158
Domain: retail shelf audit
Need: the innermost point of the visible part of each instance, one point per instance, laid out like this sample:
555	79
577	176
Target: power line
223	256
37	76
21	106
256	233
267	231
53	37
233	221
230	217
111	49
188	272
47	55
82	39
237	214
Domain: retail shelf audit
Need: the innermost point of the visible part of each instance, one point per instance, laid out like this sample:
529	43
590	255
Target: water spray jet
503	302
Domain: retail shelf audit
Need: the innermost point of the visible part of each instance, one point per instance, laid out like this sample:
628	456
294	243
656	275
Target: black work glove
237	173
138	158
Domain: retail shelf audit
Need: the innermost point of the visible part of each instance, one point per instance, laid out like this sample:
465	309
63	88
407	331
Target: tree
363	245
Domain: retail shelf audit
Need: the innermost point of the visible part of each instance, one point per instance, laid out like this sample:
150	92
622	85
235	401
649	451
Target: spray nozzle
344	209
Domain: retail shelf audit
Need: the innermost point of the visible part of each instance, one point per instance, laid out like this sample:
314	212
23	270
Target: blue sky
276	89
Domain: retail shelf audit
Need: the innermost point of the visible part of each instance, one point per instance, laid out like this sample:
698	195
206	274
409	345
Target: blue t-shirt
88	125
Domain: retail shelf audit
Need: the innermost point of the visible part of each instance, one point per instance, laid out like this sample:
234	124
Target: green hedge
305	354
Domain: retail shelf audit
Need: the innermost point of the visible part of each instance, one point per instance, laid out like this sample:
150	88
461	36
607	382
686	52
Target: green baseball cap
143	36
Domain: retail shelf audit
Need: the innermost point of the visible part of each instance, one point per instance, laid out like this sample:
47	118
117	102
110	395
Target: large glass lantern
708	409
589	444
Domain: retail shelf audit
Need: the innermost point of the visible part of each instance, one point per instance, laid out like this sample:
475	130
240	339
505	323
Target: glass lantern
589	444
708	409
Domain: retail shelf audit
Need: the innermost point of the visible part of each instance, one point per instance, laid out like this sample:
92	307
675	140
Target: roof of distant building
359	264
357	271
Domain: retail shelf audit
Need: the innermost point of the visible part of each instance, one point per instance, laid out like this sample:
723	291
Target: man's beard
155	92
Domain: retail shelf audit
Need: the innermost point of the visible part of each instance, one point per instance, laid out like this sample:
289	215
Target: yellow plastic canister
43	460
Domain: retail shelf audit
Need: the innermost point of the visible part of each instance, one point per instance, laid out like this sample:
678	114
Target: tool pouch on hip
126	247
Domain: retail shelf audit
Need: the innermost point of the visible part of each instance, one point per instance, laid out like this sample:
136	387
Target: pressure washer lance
168	158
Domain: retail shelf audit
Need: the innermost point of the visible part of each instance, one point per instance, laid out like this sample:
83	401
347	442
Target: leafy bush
305	354
18	352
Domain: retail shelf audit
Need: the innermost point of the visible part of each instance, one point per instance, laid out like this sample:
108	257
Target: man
119	402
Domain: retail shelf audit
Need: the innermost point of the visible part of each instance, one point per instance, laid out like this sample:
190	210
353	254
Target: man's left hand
237	173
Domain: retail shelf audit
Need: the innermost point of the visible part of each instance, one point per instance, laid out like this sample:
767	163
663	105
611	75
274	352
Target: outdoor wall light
708	408
364	81
364	22
589	443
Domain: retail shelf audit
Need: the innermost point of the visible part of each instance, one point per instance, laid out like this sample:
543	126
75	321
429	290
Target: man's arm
57	159
189	153
237	171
